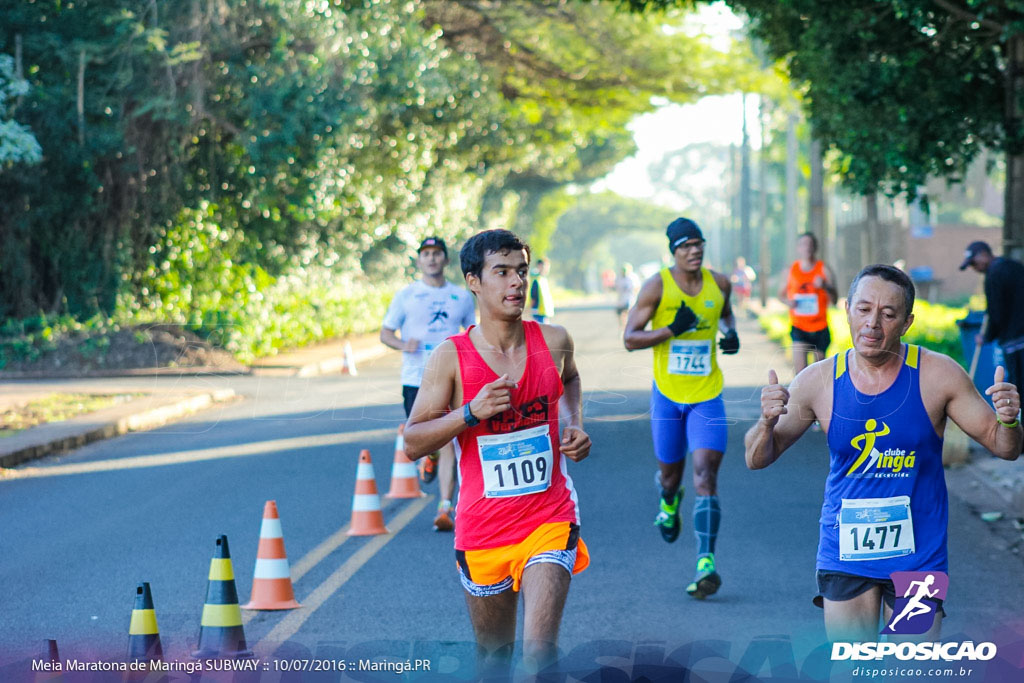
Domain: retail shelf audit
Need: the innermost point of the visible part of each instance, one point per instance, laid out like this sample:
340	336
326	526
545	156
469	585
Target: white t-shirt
431	315
628	286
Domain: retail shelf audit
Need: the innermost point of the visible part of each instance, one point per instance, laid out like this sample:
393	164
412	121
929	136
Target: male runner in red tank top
498	388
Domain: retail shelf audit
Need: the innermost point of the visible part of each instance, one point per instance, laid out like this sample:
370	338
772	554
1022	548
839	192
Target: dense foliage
209	162
902	90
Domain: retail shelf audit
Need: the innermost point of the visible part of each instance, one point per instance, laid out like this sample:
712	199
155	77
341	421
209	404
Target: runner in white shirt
627	286
424	314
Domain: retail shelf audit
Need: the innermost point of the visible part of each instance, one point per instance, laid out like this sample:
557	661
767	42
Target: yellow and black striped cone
143	632
220	634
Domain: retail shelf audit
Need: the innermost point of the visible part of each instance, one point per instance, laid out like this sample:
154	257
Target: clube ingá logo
875	464
916	596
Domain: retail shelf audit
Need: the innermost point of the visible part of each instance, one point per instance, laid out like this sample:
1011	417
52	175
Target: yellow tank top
545	302
686	367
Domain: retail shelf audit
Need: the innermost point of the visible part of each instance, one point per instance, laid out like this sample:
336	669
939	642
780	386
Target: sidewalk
159	406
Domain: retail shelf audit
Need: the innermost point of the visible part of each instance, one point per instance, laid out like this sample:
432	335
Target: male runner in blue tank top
883	405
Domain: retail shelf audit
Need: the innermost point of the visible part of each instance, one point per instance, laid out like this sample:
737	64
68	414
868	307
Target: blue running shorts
679	428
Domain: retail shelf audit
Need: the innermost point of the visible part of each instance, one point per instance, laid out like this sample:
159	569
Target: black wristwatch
467	415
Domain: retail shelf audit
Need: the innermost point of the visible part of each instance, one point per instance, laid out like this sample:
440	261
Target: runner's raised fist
774	398
493	398
684	321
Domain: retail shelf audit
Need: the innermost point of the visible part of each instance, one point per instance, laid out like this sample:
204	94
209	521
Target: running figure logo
868	449
914	613
438	317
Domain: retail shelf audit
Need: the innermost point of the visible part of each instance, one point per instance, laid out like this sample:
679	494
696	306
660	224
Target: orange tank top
811	311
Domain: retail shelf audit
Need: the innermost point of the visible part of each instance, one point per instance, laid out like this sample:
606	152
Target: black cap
681	230
973	249
434	242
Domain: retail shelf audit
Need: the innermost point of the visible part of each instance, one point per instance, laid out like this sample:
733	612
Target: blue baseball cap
435	242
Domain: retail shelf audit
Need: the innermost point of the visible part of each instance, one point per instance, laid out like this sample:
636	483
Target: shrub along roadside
934	328
288	312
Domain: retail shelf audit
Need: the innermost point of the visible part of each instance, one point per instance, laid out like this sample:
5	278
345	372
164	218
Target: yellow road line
290	625
183	457
317	555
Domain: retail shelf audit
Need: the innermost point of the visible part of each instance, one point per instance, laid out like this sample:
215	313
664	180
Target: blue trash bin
989	356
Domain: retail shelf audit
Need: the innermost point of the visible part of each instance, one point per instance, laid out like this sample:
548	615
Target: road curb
131	422
330	359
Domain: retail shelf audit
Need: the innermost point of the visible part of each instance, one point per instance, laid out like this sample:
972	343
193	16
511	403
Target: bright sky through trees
716	119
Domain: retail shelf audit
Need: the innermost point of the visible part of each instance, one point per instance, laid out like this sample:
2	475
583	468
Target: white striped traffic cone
272	580
349	359
367	519
404	477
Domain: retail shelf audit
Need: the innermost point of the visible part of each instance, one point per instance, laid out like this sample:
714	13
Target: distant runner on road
687	306
426	313
542	304
884	405
500	389
808	290
627	287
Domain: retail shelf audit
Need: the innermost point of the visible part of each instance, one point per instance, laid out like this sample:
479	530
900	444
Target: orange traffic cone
272	580
367	519
350	361
404	478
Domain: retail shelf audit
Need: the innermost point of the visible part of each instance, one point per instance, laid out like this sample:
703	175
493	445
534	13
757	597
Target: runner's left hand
730	343
1004	397
575	444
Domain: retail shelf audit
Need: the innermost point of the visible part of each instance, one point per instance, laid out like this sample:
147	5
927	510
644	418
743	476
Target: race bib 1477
875	528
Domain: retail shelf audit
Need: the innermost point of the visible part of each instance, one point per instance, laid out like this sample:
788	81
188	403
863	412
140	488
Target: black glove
685	320
730	343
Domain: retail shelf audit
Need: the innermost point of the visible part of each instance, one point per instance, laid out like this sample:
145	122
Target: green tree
17	144
592	222
574	75
904	89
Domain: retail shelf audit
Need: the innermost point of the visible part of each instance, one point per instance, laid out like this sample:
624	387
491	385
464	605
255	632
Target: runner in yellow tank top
686	367
687	305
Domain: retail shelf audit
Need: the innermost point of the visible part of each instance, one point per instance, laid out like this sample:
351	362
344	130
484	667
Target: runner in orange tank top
499	388
808	292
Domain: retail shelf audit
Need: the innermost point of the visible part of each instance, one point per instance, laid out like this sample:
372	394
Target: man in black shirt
1004	292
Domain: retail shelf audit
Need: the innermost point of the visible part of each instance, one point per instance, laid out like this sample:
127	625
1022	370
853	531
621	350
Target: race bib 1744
686	357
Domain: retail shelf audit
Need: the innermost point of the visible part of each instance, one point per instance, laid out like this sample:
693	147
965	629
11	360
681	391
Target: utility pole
792	183
746	248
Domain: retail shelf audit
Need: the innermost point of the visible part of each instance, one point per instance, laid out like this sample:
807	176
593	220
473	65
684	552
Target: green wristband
1009	425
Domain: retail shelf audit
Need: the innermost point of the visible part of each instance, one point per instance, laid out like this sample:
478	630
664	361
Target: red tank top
512	475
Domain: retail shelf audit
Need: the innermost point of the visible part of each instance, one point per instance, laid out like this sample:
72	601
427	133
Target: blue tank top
885	506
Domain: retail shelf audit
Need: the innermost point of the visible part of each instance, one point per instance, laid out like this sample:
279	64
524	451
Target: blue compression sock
706	517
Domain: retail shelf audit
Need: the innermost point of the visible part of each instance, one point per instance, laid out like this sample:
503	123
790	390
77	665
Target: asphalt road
77	533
